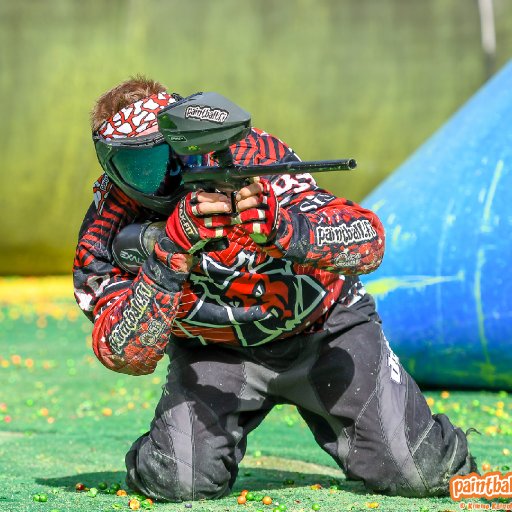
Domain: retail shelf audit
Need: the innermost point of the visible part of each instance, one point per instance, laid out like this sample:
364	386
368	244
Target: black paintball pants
361	405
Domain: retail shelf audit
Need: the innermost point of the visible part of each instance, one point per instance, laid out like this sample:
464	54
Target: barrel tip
352	164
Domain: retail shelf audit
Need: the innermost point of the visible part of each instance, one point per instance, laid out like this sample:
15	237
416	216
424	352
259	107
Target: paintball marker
207	122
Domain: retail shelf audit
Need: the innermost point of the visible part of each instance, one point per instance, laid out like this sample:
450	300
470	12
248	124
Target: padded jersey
244	295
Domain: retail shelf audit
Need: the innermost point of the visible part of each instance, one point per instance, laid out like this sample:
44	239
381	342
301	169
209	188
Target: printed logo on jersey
259	303
347	259
346	234
206	113
285	186
100	189
314	202
130	322
394	364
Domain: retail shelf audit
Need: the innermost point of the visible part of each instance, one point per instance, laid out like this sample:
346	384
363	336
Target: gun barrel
195	175
300	167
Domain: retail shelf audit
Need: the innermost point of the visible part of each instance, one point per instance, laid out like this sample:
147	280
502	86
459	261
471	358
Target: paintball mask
148	167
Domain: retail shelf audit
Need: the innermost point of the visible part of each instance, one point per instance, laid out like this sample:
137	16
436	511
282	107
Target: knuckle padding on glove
261	221
190	231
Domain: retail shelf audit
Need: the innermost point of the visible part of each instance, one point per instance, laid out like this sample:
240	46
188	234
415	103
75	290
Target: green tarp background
369	79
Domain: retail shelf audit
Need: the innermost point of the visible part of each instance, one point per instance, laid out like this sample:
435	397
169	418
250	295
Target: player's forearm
343	238
95	274
131	330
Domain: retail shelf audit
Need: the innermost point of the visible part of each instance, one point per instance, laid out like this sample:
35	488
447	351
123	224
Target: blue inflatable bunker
444	289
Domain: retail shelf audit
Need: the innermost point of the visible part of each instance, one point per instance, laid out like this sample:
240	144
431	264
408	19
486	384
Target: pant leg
199	432
368	413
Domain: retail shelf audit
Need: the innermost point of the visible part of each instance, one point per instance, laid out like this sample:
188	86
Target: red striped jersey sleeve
94	273
316	227
132	315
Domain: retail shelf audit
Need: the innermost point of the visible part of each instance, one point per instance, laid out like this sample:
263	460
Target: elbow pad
134	243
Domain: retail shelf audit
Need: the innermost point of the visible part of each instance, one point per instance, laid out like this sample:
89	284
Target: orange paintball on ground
121	492
134	504
267	500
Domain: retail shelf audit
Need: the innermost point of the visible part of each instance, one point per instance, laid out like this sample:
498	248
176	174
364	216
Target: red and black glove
260	222
133	326
191	229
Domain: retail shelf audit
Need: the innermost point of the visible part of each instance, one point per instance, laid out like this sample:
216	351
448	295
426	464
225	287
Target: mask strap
173	164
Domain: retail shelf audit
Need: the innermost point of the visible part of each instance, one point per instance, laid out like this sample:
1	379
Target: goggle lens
142	168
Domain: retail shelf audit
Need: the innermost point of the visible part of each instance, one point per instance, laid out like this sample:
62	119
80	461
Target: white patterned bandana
135	118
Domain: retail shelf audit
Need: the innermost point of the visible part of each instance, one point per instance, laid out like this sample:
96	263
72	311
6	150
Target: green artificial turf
65	419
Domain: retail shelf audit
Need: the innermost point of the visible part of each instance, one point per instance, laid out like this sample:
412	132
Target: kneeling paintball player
277	314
